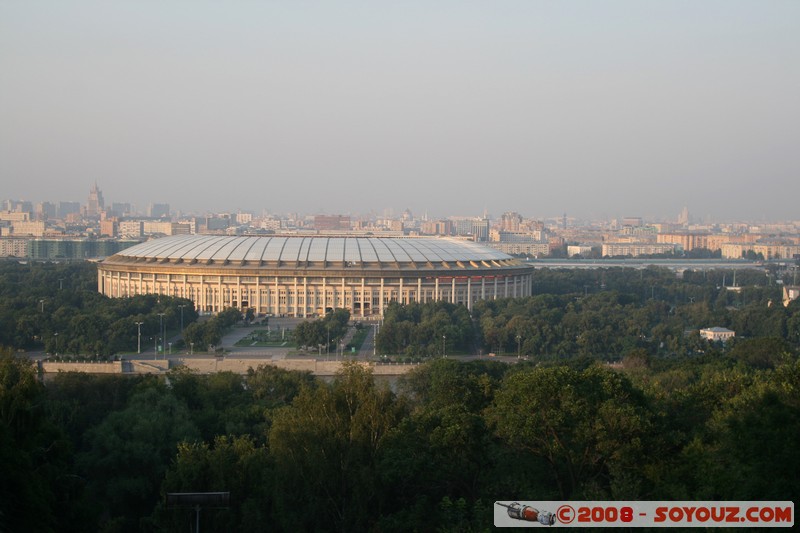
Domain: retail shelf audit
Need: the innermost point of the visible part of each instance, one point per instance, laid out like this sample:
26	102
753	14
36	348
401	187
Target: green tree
129	453
325	446
591	426
38	490
230	464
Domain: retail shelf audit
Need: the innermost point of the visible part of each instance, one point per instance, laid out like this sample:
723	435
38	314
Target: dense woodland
673	418
56	308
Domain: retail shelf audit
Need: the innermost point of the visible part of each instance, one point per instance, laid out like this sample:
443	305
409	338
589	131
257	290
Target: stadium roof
300	249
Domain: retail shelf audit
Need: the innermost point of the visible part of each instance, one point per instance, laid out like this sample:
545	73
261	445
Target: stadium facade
304	276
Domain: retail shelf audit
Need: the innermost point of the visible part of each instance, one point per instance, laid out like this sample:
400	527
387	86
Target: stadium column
277	298
363	298
419	290
436	289
400	292
469	293
296	311
324	294
201	295
344	294
381	297
505	291
219	294
483	287
258	296
305	297
495	289
453	290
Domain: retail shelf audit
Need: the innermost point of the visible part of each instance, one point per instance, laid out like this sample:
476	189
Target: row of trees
609	324
100	452
601	314
56	307
426	329
202	335
325	331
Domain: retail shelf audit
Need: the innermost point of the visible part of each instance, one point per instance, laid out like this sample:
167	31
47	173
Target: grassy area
267	338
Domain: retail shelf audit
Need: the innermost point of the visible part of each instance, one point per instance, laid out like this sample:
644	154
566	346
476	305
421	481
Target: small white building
717	334
579	249
790	293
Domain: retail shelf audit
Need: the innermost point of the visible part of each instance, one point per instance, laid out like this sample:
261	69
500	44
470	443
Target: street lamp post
139	337
191	348
170	348
519	345
161	330
181	307
444	346
56	336
41	302
60	283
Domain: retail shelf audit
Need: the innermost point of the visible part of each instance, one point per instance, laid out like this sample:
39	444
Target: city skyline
601	110
88	206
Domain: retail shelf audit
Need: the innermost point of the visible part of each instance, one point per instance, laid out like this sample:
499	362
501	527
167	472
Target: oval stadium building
306	276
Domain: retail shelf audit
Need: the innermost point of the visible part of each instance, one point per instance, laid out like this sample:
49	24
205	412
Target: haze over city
600	109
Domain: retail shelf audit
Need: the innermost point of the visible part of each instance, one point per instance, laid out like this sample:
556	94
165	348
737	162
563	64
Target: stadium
306	276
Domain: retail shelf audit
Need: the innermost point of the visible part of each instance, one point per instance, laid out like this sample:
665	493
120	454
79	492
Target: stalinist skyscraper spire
683	218
95	204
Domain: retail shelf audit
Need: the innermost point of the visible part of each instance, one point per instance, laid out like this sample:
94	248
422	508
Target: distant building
95	203
131	228
272	224
155	227
109	227
510	221
45	211
684	218
11	247
29	227
717	334
68	208
538	249
634	249
790	293
437	227
332	222
632	221
159	210
480	230
688	241
579	249
768	251
84	248
119	209
14	216
244	218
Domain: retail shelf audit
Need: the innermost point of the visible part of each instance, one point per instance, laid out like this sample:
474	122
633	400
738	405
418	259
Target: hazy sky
596	108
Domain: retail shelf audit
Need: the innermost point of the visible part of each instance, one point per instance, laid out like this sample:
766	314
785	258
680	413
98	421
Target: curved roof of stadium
310	249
